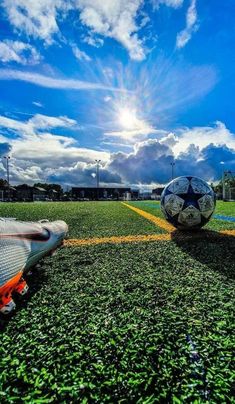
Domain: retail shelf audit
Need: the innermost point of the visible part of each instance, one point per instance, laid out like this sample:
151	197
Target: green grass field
147	322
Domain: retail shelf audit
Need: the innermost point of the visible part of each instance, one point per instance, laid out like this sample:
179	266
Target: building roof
157	190
105	188
40	189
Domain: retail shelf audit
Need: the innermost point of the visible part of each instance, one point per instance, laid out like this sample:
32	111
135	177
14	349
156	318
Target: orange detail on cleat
6	302
8	307
22	287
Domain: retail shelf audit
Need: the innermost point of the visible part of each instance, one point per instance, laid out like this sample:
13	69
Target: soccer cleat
22	245
8	307
22	287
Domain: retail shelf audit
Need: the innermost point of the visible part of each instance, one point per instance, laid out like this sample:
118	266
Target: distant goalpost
229	186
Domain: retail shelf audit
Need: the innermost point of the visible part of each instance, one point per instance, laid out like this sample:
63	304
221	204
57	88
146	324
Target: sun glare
127	118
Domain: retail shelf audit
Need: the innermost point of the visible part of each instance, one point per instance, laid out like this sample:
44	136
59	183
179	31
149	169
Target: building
39	194
135	193
127	196
156	193
145	195
53	194
26	193
7	194
90	193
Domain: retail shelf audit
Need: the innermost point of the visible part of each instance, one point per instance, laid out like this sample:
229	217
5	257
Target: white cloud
40	122
36	153
38	104
150	162
39	155
107	98
35	124
121	20
51	82
191	26
169	3
18	52
93	40
53	151
202	136
117	20
170	140
35	18
79	54
132	135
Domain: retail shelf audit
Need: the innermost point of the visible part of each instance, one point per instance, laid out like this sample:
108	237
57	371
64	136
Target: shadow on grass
216	250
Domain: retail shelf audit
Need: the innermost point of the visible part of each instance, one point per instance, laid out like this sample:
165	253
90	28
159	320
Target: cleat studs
8	307
22	288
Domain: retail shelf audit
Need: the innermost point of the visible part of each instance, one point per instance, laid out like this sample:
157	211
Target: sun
127	118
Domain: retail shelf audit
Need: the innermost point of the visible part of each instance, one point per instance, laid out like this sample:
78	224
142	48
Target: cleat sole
6	302
22	288
8	308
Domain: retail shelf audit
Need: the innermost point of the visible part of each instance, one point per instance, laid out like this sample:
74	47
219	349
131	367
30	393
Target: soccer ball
188	202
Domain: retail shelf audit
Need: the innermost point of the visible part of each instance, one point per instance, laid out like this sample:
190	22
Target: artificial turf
222	208
140	322
89	219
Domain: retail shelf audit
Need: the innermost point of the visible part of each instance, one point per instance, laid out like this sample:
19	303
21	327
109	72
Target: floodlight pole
8	175
172	169
223	180
223	183
97	177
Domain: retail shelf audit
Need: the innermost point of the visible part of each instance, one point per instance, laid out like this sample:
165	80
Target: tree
3	183
50	188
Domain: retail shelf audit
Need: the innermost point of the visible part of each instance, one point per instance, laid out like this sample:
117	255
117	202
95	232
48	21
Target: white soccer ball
188	202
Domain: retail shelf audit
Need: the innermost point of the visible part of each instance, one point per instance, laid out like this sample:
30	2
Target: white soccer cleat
22	245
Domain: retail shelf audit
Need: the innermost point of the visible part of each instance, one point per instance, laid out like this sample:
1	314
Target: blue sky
133	83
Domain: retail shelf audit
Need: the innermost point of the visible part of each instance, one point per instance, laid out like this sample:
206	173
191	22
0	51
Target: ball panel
164	211
199	186
190	216
206	205
179	185
173	204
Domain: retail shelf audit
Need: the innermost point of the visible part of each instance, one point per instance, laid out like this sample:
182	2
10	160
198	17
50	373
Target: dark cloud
84	174
207	162
151	162
216	154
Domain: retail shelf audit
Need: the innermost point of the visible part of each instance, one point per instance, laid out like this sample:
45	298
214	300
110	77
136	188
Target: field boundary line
116	240
156	220
228	232
142	238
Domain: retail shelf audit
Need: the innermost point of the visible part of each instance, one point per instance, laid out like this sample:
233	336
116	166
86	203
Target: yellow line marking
228	232
156	220
146	238
116	240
